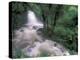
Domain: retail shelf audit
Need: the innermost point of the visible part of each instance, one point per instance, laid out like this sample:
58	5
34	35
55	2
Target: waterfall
33	20
32	44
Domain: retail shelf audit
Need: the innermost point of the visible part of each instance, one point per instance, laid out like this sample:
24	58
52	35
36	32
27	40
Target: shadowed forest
60	22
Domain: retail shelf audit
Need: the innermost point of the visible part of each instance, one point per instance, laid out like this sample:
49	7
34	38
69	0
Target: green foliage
60	21
44	54
17	53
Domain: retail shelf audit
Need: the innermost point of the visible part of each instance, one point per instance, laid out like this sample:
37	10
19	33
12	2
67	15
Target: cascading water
33	21
32	44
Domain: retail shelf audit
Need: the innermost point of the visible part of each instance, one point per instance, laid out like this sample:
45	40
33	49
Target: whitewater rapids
32	44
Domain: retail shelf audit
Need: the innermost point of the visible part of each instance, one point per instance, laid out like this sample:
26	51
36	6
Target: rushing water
33	20
32	44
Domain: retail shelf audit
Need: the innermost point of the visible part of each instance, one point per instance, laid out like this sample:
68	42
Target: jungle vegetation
60	21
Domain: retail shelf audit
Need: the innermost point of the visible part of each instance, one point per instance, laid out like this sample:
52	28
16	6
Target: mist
31	43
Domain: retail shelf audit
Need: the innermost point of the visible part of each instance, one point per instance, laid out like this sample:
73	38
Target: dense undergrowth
60	22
